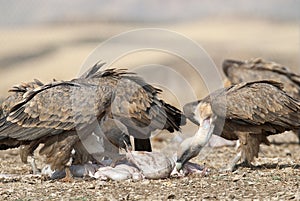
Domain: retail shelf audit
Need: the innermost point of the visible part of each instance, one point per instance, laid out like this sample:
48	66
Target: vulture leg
32	163
142	144
69	177
249	146
27	156
297	132
230	167
59	152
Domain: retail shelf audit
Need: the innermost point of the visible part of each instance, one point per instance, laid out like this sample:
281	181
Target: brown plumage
248	112
16	95
259	69
62	114
53	143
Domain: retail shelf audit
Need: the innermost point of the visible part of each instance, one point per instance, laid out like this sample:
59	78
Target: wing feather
259	69
56	106
138	106
259	103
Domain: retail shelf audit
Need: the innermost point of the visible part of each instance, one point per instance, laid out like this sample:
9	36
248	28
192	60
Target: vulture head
228	63
200	113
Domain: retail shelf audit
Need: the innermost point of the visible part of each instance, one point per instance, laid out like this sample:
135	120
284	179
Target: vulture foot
245	164
69	177
232	166
229	168
31	161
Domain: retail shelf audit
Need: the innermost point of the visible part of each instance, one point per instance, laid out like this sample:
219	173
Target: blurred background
52	39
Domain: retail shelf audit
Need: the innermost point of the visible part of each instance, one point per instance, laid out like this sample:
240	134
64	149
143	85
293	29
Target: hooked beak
189	111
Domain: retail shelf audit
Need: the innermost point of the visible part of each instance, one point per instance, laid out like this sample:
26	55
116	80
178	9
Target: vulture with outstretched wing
64	114
248	112
260	69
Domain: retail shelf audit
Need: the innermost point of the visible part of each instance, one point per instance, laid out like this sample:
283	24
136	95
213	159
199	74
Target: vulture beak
192	146
189	111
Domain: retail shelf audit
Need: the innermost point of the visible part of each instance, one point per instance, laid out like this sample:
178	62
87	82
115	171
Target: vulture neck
203	134
192	146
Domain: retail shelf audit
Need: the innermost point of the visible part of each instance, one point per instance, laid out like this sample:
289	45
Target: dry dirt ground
275	176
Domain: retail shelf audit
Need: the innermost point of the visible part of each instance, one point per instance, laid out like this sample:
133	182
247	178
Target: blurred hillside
16	13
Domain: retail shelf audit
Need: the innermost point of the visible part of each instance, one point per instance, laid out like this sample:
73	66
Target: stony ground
275	176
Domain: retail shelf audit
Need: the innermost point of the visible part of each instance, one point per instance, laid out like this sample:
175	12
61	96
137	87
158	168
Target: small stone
91	187
171	197
231	196
235	179
146	182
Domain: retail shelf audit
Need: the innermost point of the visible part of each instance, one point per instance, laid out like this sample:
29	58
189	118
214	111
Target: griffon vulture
62	114
248	112
259	69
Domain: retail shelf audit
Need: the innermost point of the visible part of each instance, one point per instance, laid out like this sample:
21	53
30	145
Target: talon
69	177
227	169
